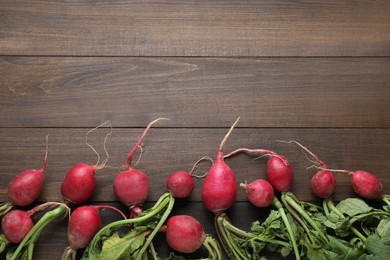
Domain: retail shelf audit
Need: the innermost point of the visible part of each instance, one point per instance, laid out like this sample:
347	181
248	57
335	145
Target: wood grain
195	28
206	92
168	150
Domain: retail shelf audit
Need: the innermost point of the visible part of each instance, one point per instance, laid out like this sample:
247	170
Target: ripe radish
185	234
25	187
180	184
323	183
260	192
79	182
16	224
279	171
83	224
219	188
131	186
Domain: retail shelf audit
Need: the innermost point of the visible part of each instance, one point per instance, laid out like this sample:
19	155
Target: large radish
25	187
219	188
131	186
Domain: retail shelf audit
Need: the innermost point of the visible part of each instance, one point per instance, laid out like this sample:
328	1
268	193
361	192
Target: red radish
16	224
79	183
180	184
260	192
83	224
184	233
131	186
219	188
367	185
279	173
25	187
323	183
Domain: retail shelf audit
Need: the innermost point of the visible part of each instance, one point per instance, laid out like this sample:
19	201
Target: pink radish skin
219	189
279	173
16	224
323	184
366	185
79	183
180	184
84	223
27	186
184	233
131	186
260	193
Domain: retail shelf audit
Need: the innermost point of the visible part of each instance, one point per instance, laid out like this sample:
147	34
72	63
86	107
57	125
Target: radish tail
135	148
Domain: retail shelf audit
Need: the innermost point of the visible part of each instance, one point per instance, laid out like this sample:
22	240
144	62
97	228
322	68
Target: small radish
16	224
219	188
185	234
323	183
279	171
180	184
25	187
83	224
79	182
260	192
131	186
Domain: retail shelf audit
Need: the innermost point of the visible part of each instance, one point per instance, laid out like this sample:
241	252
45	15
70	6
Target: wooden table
317	72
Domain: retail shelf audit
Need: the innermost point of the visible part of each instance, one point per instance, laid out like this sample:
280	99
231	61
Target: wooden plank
169	150
201	92
195	28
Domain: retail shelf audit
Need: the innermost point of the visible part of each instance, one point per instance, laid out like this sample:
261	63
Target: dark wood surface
317	72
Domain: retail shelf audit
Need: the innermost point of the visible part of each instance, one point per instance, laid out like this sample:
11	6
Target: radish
25	187
180	184
279	171
185	234
260	192
83	224
219	188
131	186
16	224
79	182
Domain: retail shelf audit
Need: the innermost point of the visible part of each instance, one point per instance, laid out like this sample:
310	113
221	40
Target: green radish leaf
383	228
119	248
353	206
376	247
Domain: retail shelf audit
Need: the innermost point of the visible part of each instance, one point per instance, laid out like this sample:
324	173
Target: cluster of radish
131	187
183	232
